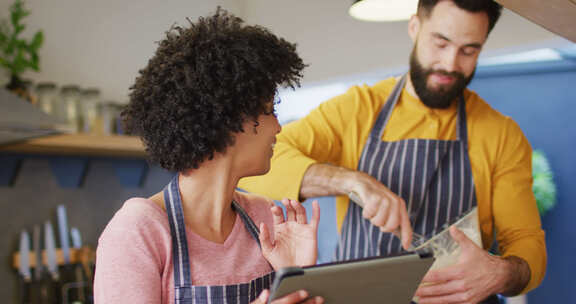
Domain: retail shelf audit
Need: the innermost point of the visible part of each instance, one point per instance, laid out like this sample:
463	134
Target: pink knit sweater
134	255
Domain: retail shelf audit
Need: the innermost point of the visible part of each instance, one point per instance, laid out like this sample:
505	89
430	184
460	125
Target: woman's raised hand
295	239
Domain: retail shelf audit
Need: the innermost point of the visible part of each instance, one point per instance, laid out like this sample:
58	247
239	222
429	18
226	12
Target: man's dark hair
491	8
203	83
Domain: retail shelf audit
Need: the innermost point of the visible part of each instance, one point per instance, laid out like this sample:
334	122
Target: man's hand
295	240
475	276
382	207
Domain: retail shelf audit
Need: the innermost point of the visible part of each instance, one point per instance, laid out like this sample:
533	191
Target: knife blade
37	253
76	237
50	246
24	266
63	230
53	289
37	288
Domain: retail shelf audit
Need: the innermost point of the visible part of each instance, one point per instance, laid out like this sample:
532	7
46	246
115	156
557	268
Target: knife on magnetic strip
53	289
38	266
36	287
24	267
67	270
79	276
63	232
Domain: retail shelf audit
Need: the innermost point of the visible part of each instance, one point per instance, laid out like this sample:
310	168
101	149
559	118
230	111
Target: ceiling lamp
383	10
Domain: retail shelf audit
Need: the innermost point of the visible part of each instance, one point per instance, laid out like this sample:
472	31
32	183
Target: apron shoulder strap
462	128
248	222
384	115
175	213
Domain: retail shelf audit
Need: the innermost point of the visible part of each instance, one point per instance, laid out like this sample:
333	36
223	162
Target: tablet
372	280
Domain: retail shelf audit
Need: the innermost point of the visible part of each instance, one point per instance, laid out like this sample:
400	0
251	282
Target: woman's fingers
293	298
314	300
262	298
297	297
277	215
300	212
296	212
315	220
290	212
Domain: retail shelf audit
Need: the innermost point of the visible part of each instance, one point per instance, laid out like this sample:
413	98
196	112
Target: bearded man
420	151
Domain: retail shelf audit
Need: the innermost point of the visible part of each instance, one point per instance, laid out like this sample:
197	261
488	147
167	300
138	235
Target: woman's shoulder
140	210
137	216
137	236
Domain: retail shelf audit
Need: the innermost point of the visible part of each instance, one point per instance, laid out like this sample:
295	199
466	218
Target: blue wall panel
542	101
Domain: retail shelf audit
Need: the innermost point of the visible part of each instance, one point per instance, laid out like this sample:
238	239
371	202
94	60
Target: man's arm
516	219
325	180
381	206
518	276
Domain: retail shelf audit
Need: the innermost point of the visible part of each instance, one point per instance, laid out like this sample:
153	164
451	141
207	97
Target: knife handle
80	277
36	296
24	291
49	293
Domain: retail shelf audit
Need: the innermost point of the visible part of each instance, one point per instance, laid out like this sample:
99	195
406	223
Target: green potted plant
18	54
543	186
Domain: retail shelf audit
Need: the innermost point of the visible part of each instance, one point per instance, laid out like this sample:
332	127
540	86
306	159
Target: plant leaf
16	54
34	62
37	41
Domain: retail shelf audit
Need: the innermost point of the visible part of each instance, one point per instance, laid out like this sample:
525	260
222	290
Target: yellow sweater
500	157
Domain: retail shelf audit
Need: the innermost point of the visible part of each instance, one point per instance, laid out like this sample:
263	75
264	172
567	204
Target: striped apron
433	177
184	291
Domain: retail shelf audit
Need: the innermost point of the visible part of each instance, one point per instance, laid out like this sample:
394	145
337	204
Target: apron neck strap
180	257
462	128
248	222
384	116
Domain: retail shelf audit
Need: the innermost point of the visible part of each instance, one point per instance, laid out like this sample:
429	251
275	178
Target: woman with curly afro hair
204	108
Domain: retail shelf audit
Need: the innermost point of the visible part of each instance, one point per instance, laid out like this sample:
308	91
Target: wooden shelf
80	145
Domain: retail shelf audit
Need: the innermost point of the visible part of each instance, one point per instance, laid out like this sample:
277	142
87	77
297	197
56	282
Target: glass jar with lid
89	107
47	97
111	120
69	107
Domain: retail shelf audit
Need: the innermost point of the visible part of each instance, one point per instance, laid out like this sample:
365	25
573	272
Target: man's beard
441	97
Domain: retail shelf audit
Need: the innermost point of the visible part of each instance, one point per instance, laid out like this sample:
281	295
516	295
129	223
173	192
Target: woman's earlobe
256	124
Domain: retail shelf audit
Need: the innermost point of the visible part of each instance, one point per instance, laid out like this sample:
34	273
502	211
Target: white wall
104	43
335	44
